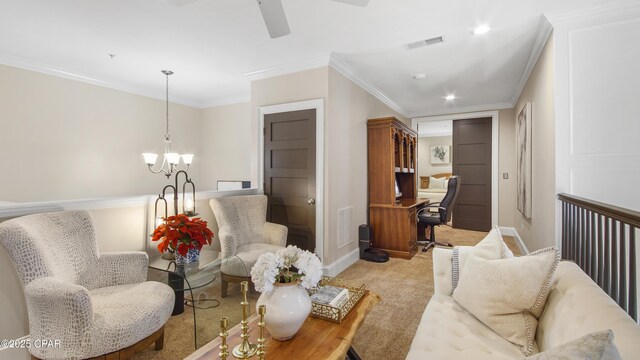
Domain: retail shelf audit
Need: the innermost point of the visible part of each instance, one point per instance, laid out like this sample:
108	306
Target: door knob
311	201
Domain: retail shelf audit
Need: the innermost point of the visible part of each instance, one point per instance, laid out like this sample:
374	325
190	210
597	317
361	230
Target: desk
317	339
395	227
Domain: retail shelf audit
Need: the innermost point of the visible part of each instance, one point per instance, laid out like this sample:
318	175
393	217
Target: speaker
364	234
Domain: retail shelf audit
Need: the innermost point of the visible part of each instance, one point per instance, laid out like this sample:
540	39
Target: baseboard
511	231
342	264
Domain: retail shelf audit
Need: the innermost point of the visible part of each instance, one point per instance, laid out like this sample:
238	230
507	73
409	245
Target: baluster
587	243
564	231
623	267
607	256
614	261
593	254
633	292
601	246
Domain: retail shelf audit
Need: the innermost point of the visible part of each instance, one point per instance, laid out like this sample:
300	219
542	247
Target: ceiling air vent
423	43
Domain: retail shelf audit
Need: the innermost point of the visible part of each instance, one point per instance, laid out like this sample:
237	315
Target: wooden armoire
392	153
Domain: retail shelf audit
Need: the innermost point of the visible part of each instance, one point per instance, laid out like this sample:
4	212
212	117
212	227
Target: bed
433	194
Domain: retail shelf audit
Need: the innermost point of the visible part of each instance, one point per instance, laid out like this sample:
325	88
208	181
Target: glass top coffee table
190	277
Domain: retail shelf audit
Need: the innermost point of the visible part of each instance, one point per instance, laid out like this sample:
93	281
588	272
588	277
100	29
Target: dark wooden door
472	162
290	174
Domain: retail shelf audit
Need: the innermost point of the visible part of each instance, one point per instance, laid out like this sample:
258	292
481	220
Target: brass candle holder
262	310
223	335
245	350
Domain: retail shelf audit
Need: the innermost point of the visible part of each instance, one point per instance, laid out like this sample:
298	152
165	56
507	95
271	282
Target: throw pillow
436	183
492	247
508	295
594	346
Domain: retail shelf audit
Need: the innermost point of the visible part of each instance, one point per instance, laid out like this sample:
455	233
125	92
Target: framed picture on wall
523	158
440	154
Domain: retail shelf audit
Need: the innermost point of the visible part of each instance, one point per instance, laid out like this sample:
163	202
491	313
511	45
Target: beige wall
64	139
225	138
124	228
539	231
425	168
507	164
348	109
303	85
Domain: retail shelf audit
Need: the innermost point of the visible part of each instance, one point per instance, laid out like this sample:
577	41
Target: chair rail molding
21	209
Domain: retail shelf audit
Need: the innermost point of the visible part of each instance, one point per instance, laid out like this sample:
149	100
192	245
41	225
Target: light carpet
405	287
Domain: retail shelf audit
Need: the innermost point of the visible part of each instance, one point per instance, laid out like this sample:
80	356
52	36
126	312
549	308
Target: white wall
425	168
597	81
63	139
225	140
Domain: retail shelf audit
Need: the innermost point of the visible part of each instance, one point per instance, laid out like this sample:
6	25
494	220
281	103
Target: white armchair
95	304
244	235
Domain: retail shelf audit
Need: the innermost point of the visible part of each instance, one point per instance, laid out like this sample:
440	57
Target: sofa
576	306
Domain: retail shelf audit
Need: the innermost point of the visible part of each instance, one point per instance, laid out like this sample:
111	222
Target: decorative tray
334	314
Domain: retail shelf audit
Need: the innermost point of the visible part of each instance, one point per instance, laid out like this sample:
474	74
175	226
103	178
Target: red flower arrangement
180	233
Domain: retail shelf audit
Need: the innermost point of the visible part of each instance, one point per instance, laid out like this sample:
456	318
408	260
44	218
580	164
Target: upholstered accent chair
96	304
244	235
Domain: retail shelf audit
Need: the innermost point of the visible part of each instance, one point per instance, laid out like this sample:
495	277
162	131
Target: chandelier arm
161	169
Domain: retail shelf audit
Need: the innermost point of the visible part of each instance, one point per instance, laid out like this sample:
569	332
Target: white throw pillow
492	247
508	295
594	346
436	183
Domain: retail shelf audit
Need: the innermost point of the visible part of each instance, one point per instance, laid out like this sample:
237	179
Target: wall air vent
423	43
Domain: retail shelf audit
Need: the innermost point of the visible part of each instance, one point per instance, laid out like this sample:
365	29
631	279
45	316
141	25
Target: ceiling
212	44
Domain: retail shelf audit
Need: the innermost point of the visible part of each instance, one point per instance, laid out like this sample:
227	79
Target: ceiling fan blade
274	17
361	3
178	3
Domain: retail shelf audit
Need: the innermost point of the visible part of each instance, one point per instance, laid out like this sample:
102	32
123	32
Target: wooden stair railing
601	239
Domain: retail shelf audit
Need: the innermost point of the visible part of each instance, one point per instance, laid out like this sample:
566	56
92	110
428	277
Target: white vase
288	306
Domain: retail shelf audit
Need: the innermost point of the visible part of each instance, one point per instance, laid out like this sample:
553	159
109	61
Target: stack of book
331	295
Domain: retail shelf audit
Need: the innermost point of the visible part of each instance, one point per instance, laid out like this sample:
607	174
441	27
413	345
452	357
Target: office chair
443	216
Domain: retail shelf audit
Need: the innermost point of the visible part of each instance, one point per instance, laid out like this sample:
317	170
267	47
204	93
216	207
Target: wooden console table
317	339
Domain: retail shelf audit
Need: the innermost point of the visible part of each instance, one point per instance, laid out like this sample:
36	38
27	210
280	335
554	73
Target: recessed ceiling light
419	76
450	97
482	29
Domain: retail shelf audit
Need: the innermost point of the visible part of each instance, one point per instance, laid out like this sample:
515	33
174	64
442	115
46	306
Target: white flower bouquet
287	265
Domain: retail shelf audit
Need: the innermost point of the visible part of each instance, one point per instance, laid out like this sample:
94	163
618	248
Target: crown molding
347	71
544	31
462	110
621	8
226	100
288	68
27	64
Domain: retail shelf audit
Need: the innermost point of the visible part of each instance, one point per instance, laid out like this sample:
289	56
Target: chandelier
171	159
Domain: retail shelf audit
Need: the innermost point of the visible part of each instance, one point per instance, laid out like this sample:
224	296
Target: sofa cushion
508	295
242	263
594	346
577	306
448	331
492	247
